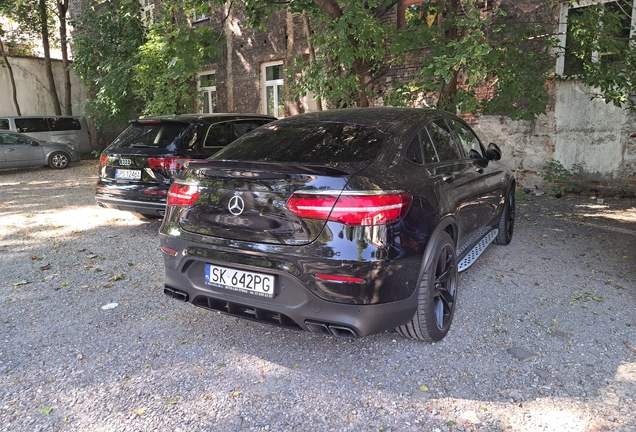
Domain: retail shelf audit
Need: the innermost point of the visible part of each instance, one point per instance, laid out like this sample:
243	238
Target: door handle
447	177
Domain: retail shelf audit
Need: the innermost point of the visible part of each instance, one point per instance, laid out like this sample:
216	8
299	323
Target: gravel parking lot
543	338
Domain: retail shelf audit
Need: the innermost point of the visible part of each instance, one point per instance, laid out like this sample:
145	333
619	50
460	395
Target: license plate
128	174
238	280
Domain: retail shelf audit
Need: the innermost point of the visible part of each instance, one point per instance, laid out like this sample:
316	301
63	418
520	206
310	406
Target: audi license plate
238	280
127	174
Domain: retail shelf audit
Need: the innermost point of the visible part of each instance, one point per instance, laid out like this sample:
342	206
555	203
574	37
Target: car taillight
103	160
183	194
167	164
351	207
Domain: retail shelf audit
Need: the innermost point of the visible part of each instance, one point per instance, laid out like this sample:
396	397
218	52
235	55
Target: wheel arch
446	224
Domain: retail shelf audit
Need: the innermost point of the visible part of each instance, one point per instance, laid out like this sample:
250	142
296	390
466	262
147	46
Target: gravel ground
543	338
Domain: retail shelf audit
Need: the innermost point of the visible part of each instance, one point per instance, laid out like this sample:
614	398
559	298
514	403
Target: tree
601	52
44	28
106	40
6	64
62	9
455	45
168	62
130	69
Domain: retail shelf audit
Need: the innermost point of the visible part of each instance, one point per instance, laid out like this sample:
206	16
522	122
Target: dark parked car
136	170
343	222
19	150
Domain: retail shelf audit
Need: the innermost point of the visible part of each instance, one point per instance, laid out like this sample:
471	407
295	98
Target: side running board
475	252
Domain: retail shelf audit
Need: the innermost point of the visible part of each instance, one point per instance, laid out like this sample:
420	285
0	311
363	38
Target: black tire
59	160
437	295
507	219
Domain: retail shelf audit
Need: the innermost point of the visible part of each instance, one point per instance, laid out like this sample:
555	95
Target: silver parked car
19	150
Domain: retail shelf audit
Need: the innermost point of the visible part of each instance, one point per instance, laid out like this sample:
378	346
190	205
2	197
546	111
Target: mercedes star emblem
236	205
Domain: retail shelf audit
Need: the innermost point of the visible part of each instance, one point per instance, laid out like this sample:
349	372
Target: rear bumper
312	314
387	299
142	207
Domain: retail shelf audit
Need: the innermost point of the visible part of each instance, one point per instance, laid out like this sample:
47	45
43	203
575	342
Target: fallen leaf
64	284
117	277
21	283
141	411
80	357
33	257
235	394
46	267
45	410
423	388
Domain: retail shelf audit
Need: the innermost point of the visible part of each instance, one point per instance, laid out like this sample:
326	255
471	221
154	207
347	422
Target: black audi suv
136	170
343	222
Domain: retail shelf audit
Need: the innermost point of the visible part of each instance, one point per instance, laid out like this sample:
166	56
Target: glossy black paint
191	139
463	197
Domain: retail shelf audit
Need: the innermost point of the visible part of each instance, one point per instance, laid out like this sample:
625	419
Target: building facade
576	130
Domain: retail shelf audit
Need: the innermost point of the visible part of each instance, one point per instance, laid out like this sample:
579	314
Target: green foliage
107	37
520	195
455	47
560	178
599	53
130	70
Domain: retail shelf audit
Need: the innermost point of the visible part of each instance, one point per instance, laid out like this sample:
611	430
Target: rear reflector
155	192
103	160
341	279
167	164
169	251
351	207
183	194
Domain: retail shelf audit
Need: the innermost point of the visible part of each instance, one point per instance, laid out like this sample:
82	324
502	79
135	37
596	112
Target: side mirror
34	143
493	152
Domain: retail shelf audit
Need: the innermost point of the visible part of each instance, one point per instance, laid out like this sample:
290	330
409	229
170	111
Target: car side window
442	140
467	138
219	135
64	123
36	124
4	124
13	139
241	127
414	150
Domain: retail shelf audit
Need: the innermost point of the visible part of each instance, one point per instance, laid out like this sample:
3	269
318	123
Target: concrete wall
575	130
32	88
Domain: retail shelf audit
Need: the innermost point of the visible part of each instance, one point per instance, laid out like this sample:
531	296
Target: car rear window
161	135
305	142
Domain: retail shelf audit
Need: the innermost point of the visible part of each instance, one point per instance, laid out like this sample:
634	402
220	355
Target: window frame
147	12
563	29
271	83
210	90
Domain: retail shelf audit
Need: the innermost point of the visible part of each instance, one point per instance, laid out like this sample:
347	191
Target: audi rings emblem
125	161
236	205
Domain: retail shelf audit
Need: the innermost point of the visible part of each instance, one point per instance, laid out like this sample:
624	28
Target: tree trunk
332	8
62	8
47	57
312	52
449	90
11	78
293	105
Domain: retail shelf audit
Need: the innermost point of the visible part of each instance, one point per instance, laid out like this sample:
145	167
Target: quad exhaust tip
176	294
331	329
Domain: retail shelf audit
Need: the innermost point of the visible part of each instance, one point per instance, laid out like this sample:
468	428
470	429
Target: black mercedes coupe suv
343	222
136	170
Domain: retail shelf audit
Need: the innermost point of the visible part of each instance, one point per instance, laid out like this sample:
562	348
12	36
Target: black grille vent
247	312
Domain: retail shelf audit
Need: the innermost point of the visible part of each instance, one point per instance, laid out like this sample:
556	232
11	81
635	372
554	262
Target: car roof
207	118
382	118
